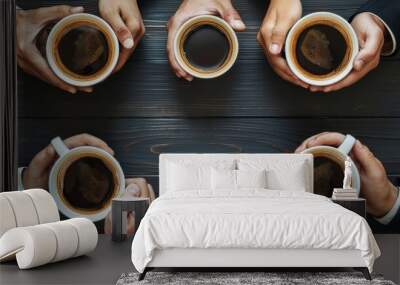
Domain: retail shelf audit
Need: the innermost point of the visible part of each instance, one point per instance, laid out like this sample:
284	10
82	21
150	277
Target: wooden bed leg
364	271
143	274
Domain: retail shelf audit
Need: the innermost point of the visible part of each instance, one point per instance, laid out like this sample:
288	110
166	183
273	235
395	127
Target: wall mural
104	88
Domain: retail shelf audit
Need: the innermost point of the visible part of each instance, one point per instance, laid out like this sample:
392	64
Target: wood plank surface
138	142
146	87
145	110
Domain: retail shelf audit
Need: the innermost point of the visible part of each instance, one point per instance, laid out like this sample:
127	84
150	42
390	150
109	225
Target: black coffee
83	50
88	183
327	175
206	47
320	49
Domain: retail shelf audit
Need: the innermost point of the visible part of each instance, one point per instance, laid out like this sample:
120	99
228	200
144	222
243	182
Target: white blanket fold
251	219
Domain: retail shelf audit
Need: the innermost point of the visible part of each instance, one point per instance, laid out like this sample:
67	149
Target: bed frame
242	259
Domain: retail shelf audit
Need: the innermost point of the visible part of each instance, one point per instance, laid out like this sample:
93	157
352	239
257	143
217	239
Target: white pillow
286	174
223	179
294	181
229	180
186	177
251	178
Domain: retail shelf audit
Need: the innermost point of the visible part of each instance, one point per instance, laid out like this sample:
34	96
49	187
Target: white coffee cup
339	155
62	28
341	25
56	179
194	23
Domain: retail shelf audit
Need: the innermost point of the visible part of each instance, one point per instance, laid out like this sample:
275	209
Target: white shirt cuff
386	219
20	182
385	53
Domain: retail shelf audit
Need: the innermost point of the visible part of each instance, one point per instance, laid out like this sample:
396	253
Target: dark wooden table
145	110
357	206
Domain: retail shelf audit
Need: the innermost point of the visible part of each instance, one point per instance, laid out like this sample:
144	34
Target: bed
247	210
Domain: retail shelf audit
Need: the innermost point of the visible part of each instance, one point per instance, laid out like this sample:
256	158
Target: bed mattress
251	219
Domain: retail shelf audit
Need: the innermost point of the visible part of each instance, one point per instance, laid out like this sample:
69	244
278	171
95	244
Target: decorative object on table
339	193
356	205
32	233
249	278
84	180
347	192
120	208
329	164
347	174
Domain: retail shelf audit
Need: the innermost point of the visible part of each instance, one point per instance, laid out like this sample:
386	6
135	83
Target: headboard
200	158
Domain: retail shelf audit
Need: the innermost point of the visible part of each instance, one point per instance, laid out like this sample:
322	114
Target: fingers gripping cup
329	165
320	48
82	49
84	180
206	46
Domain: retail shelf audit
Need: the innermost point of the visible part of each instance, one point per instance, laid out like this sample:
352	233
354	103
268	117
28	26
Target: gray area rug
243	278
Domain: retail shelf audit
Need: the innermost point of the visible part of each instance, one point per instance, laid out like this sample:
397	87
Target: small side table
120	207
357	206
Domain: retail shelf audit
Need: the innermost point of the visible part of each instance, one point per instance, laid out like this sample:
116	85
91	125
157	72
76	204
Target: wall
145	110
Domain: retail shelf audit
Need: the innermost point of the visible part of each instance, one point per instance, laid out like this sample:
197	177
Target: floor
110	259
103	266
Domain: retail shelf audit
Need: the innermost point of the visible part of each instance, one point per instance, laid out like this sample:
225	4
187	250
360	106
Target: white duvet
250	219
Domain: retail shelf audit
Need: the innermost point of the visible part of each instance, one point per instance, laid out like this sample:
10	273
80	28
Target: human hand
192	8
36	175
376	188
135	187
280	17
29	24
370	32
138	187
125	19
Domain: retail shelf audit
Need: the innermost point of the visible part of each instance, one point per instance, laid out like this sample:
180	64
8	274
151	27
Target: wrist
389	216
388	201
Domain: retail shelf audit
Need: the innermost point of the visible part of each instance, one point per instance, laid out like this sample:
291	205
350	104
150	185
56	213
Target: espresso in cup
88	184
329	165
82	49
206	46
328	174
206	38
320	48
84	180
